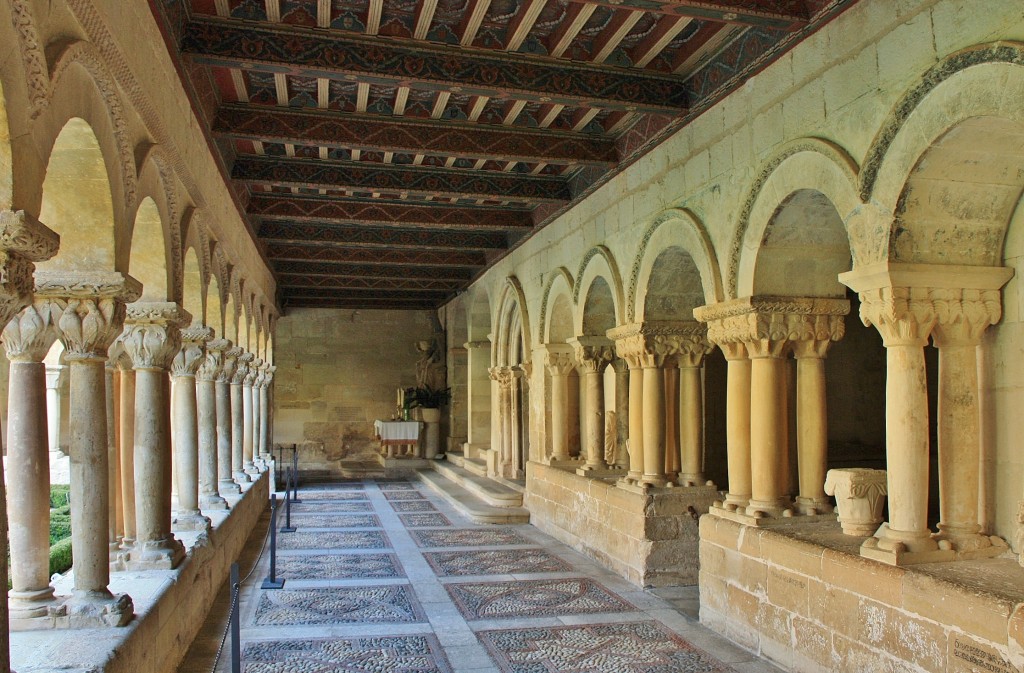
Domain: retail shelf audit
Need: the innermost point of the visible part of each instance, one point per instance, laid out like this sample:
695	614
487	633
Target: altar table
398	433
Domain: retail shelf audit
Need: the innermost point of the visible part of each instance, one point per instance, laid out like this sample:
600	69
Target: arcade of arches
779	356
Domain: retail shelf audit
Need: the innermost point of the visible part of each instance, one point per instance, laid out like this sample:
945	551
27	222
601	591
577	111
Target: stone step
469	504
490	491
361	469
474	465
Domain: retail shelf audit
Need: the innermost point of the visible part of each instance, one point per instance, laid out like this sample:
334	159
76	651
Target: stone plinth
649	537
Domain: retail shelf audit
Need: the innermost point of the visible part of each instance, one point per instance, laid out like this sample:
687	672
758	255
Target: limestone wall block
978	612
879	581
788	590
799	556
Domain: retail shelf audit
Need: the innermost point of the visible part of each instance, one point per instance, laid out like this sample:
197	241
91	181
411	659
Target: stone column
88	310
227	468
689	357
671	374
242	360
629	348
114	533
498	408
54	382
902	301
126	440
248	454
622	378
962	318
810	345
152	338
206	422
559	361
185	419
504	378
737	419
27	339
769	447
264	428
593	354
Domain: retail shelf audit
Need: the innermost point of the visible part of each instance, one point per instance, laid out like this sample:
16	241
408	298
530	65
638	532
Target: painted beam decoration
365	132
382	237
343	270
366	177
327	282
785	14
346	57
384	213
315	253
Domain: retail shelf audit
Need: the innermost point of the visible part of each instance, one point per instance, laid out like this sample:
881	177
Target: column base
655	480
251	470
970	546
812	506
241	477
29	605
213	502
756	517
93	609
599	471
190	521
228	487
905	549
567	461
163	554
691	480
734	501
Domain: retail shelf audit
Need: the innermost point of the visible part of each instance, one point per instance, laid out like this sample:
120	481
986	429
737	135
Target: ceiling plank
471	21
373	13
300	280
323	13
785	14
312	253
370	132
479	73
353	304
402	293
576	16
419	180
389	237
424	17
522	23
666	30
708	38
609	38
356	270
361	212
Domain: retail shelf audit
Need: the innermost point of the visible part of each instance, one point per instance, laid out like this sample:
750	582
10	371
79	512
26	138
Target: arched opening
457	329
561	380
512	356
479	393
147	261
6	157
192	290
215	307
598	390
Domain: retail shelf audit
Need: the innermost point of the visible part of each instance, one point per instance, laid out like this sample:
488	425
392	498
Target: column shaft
654	426
237	445
594	389
636	423
812	435
691	426
769	462
559	416
225	454
672	448
738	429
264	422
113	463
621	413
126	430
206	422
186	451
959	431
247	425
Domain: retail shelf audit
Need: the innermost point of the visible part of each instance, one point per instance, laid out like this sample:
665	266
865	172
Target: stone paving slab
537	598
327	506
403	495
425	520
333	540
393	604
494	562
396	486
339	495
413	506
339	566
632	647
393	654
335	521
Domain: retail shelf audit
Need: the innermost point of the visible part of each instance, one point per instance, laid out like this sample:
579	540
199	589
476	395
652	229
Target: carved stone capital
652	343
242	361
193	350
767	326
504	375
86	307
905	302
593	353
229	364
559	359
152	333
475	345
29	334
25	236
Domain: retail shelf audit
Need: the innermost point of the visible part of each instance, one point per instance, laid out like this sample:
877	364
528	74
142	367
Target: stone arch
147	260
78	202
804	164
6	156
598	267
511	315
193	298
678	233
231	308
556	311
214	302
156	179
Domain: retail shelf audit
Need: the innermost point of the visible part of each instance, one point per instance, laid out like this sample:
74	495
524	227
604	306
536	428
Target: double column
207	423
248	368
228	470
954	305
88	311
151	339
185	419
559	360
593	354
504	417
757	335
263	425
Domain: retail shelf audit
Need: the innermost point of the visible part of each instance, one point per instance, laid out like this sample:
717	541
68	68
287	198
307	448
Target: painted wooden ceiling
386	152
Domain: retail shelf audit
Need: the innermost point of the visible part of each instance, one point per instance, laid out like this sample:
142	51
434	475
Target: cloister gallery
723	293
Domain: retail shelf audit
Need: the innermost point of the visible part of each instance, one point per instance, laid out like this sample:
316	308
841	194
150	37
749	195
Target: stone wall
651	540
338	371
805	599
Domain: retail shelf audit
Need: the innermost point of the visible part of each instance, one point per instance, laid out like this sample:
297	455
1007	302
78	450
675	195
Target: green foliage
59	495
427	397
61	511
60	556
60	527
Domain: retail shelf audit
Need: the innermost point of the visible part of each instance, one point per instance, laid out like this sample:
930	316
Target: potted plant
429	401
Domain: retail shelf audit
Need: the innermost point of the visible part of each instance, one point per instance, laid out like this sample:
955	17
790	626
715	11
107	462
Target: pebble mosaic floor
427	591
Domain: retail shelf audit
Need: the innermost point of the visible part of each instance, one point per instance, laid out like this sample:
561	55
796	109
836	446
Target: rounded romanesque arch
157	180
6	156
556	311
479	317
675	240
600	286
807	167
193	297
513	328
147	260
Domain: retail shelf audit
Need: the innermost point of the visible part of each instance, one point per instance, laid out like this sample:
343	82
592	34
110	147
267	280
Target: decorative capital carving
559	359
906	301
193	350
229	364
86	307
29	334
152	333
504	375
23	240
652	343
767	326
472	345
593	353
242	360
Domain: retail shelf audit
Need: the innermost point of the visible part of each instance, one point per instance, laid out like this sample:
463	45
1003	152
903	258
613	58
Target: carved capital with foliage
593	353
152	333
193	350
23	240
29	334
768	326
213	359
229	364
559	359
242	361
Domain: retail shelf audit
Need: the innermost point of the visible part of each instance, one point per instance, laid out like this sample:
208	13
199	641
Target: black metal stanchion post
236	632
295	474
271	581
287	504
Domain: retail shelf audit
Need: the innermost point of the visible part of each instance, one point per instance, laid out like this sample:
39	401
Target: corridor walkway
384	576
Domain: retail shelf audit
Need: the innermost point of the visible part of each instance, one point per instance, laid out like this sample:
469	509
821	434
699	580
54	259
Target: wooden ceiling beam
778	14
355	304
344	57
453	183
386	237
666	30
418	258
358	211
368	283
369	132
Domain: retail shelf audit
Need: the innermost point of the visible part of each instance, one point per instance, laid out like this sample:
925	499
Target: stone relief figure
430	367
611	439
